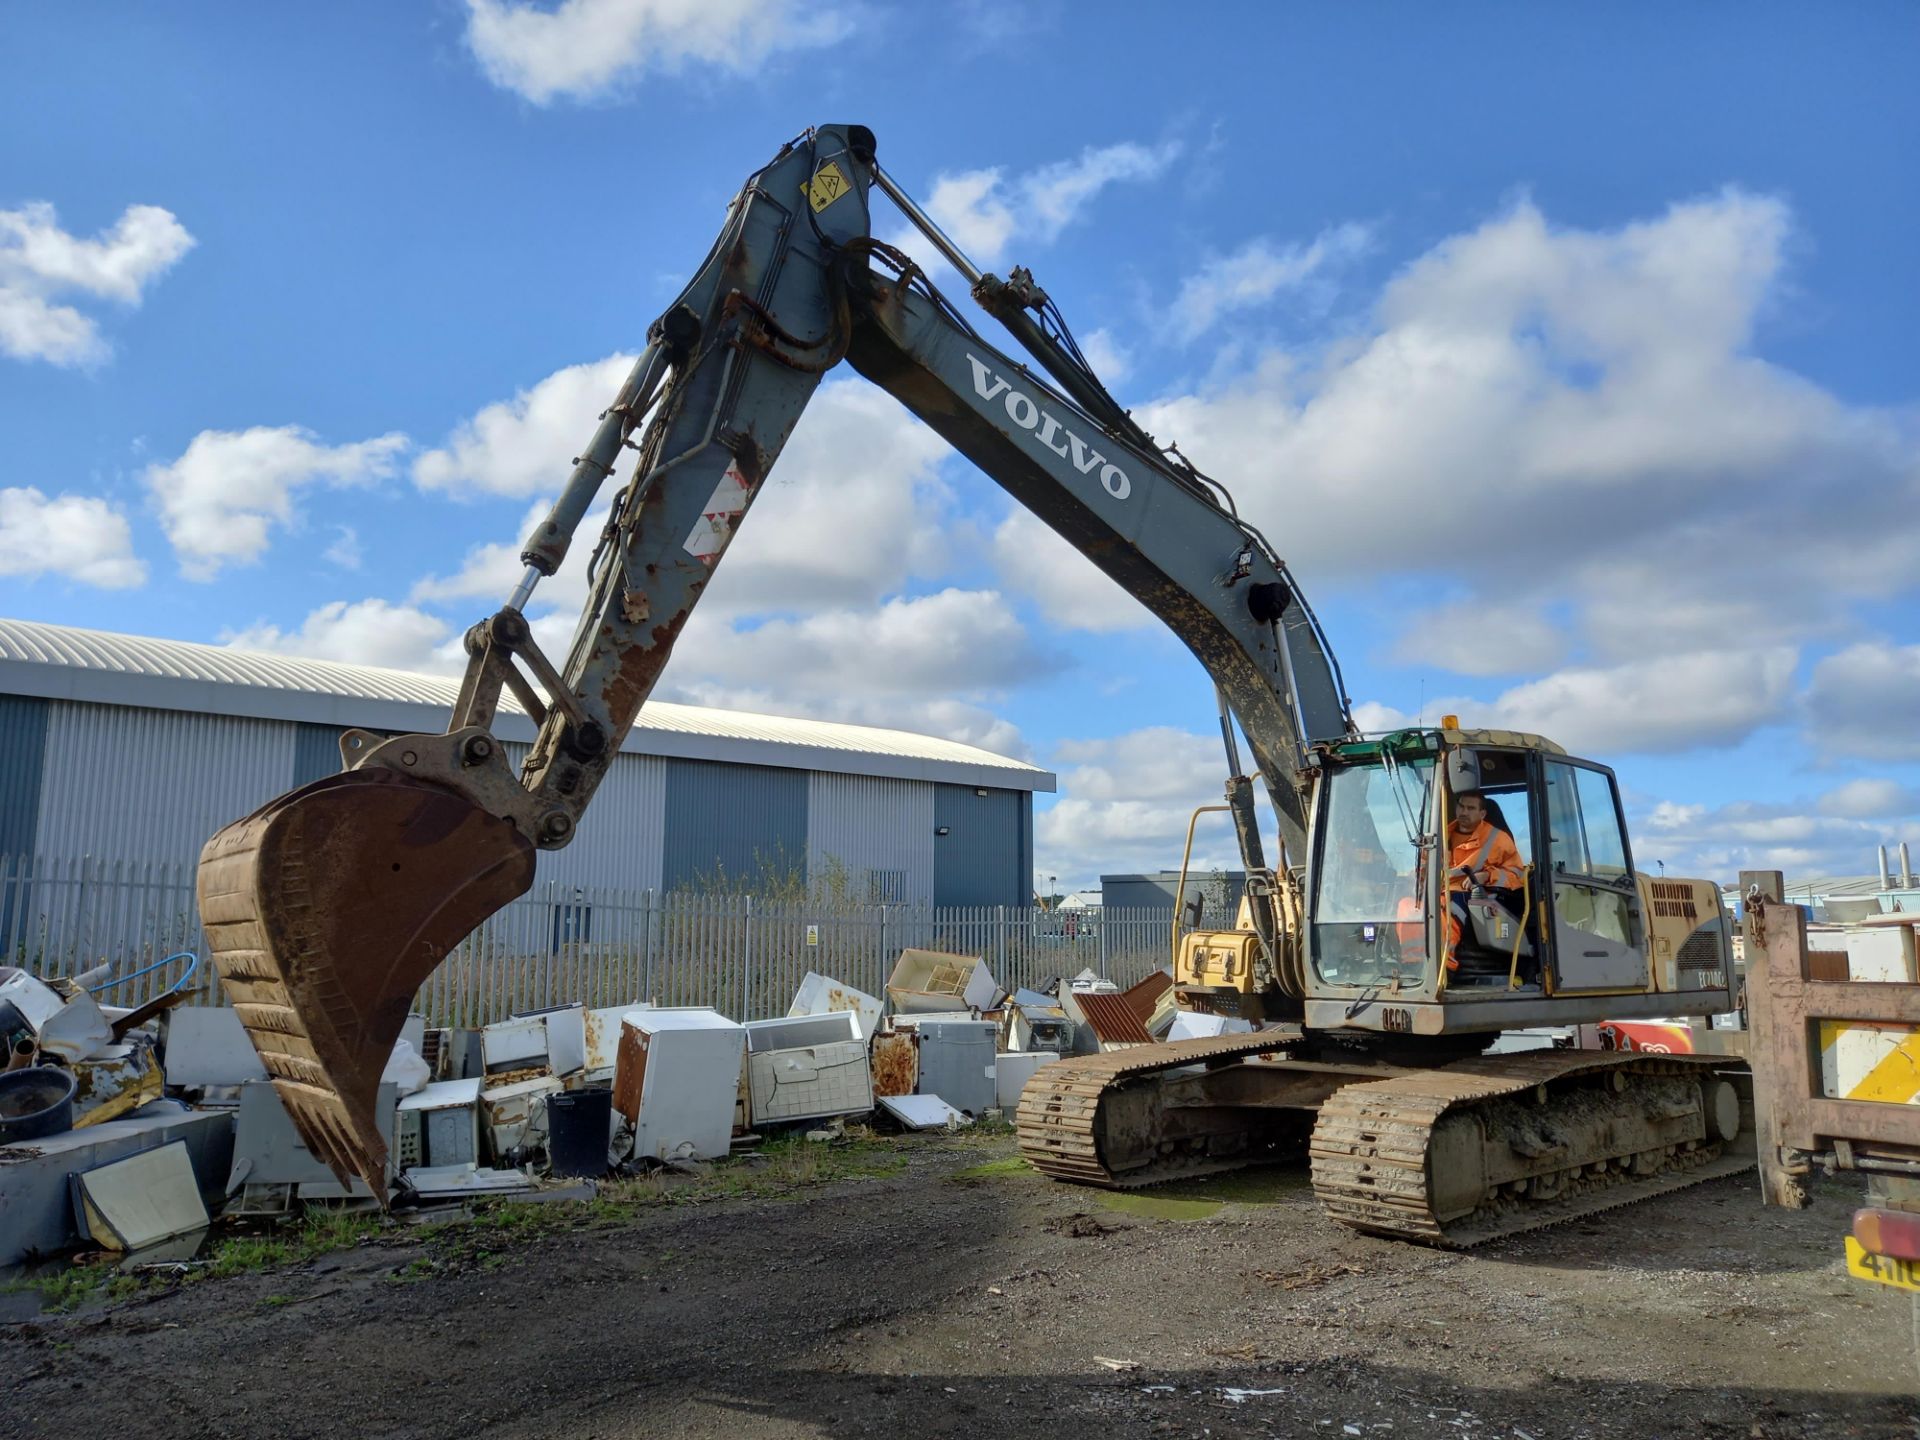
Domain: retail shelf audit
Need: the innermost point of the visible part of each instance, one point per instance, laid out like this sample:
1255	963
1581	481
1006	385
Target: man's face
1468	812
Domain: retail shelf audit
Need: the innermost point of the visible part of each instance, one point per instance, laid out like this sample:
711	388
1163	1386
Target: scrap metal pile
126	1129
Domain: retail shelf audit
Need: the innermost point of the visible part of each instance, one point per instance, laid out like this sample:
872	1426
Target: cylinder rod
926	226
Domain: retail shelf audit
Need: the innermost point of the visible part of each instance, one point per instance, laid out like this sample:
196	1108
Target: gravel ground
947	1300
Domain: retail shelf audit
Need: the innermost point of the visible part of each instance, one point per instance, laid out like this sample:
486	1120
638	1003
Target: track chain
1371	1140
1058	1115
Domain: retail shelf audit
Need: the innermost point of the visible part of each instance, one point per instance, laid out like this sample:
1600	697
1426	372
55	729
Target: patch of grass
124	1287
277	1300
317	1233
418	1268
68	1289
994	1170
1158	1206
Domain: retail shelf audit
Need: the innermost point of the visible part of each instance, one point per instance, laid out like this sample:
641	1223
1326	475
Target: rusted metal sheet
1110	1018
517	1113
114	1082
1143	999
601	1041
630	1072
896	1063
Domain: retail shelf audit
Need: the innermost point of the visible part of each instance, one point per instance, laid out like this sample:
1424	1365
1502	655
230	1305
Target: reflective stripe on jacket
1489	849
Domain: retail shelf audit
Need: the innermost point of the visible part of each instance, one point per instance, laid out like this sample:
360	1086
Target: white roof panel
97	666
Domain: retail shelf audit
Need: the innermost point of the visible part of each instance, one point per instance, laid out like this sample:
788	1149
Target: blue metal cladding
23	754
986	855
873	836
316	752
733	826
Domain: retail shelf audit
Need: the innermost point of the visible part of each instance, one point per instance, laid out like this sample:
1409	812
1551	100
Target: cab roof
1414	737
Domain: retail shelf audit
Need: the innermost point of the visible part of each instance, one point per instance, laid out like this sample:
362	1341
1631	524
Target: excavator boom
326	909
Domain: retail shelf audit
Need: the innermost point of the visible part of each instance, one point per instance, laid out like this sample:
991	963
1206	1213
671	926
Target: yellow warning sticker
829	183
1882	1269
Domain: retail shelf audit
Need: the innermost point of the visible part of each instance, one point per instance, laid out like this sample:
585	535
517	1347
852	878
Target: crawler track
1059	1121
1491	1147
1451	1155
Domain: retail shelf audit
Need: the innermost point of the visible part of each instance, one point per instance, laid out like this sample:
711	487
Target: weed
418	1268
318	1233
994	1170
68	1289
278	1300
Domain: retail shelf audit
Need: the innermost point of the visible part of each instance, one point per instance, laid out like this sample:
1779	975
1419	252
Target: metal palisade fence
740	954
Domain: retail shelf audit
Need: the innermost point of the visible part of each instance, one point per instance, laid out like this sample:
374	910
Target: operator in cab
1482	856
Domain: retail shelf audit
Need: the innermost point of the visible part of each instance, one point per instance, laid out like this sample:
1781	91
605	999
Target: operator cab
1555	909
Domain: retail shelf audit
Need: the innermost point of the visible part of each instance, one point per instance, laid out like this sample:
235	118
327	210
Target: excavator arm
327	909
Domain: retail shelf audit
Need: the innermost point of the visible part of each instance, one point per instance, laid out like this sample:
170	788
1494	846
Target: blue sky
1566	356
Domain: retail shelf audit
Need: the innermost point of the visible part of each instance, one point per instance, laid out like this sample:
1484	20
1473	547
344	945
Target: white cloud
1581	413
952	644
1482	638
1258	271
525	446
1872	799
853	508
345	549
221	499
985	211
1662	704
1068	587
1865	700
1835	833
581	49
79	536
1125	802
491	570
364	632
39	260
1110	360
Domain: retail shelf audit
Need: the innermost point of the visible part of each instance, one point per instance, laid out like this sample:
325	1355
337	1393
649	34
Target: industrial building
1219	891
133	749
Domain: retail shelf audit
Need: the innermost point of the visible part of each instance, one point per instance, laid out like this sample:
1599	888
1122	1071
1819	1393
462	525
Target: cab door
1599	933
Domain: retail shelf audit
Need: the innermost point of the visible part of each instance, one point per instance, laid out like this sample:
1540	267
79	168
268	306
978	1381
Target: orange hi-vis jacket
1487	849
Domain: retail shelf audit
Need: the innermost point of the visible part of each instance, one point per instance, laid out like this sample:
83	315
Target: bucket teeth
325	910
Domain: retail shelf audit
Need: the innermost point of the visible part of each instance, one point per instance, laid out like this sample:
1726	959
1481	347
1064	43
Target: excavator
1377	974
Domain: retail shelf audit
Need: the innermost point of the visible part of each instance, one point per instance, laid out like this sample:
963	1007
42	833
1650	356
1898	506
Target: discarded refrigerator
932	981
958	1063
807	1068
675	1080
439	1126
819	995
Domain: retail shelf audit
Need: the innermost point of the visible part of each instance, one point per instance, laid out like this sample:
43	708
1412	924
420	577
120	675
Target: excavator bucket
325	910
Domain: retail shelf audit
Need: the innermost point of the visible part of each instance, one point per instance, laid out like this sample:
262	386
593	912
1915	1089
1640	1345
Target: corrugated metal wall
23	746
152	784
316	752
743	825
880	831
986	856
618	844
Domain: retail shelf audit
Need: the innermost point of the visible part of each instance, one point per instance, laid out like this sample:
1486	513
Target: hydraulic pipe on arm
326	909
329	907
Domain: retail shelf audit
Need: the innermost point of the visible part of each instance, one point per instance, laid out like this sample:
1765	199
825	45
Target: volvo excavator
1378	980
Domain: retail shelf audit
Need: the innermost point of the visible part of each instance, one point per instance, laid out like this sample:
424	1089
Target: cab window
1583	823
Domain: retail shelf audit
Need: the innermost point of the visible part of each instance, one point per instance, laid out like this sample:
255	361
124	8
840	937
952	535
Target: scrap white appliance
329	906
